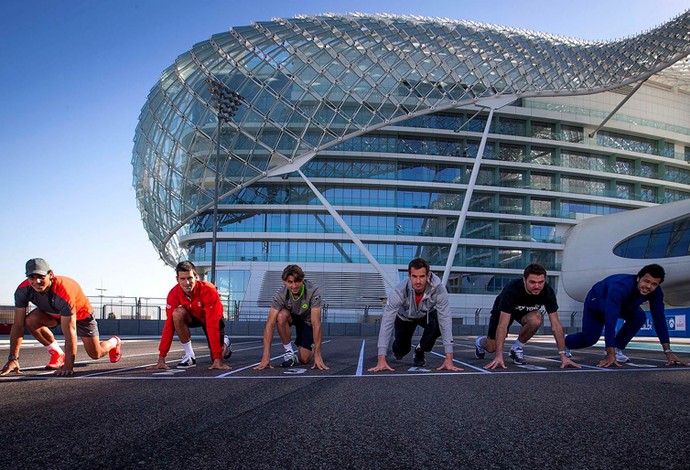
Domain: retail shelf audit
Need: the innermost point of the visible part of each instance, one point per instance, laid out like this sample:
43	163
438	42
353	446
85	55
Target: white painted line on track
360	362
478	369
345	376
250	366
585	366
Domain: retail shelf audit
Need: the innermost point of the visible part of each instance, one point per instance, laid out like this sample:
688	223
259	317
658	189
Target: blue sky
75	74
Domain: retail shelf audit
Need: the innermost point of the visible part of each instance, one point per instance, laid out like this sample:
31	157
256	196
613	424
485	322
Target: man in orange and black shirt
59	300
194	303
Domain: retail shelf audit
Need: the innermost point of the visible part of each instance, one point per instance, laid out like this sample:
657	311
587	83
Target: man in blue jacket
620	296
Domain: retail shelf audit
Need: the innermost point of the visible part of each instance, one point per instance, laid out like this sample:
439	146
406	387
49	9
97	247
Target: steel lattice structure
311	82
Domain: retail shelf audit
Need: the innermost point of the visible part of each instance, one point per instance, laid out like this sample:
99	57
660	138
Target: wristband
12	358
668	350
562	351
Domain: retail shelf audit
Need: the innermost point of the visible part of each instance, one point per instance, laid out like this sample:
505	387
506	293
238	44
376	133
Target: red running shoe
115	353
56	359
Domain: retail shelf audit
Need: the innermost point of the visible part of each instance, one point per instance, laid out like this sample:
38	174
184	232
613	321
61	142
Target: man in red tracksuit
193	303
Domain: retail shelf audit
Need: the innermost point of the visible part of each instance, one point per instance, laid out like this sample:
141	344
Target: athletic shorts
493	322
305	333
86	328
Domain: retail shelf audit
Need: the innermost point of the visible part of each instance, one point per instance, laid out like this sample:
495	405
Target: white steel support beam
348	230
493	104
615	110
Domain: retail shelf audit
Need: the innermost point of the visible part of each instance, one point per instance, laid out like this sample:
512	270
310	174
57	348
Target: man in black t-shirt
522	300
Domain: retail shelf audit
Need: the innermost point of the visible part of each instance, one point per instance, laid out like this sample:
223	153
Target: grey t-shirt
301	306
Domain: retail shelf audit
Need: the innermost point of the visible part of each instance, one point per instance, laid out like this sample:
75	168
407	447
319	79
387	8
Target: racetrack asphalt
113	416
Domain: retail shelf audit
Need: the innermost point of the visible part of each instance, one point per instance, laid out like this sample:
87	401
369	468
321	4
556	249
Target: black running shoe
518	356
186	363
419	360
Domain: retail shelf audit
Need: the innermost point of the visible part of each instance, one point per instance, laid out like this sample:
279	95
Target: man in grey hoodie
420	300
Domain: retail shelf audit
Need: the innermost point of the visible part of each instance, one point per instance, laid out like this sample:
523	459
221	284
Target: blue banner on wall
676	320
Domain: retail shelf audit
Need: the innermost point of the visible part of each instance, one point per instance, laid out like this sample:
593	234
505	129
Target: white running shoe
289	359
479	352
620	357
227	347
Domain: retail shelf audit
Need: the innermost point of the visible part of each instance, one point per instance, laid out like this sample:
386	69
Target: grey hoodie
401	303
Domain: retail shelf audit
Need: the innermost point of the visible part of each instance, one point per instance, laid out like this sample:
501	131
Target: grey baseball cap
37	266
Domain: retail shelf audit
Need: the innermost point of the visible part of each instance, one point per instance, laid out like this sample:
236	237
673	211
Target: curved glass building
363	141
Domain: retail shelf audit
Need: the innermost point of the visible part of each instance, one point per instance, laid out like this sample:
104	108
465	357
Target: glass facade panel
666	241
583	161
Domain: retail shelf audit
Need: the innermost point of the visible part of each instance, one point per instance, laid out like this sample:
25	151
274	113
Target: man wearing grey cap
59	300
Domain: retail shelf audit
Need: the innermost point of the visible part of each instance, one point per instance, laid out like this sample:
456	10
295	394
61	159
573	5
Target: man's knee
92	346
284	317
589	339
36	320
532	321
304	355
180	314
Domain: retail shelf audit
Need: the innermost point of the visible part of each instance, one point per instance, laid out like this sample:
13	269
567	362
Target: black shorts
304	337
496	315
196	323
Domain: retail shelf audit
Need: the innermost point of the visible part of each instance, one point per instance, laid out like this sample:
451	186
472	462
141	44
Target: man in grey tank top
297	303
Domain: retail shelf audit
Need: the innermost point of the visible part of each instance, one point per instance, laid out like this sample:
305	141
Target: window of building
543	233
481	229
541	156
572	133
583	186
511	204
647	194
541	207
510	126
583	161
543	130
479	256
511	179
671	195
648	170
512	231
511	153
626	142
541	181
666	241
624	167
624	190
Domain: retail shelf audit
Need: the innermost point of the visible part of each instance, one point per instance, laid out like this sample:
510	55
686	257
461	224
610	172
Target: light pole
101	290
227	102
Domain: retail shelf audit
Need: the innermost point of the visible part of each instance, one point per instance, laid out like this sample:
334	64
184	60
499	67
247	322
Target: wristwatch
668	350
12	358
